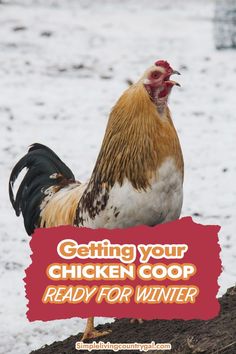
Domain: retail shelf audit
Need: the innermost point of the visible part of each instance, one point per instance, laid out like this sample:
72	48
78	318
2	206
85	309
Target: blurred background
63	65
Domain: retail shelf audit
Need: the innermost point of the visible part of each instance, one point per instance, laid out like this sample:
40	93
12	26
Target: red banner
169	271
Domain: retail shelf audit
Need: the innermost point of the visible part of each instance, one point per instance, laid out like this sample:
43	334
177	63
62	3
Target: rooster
137	178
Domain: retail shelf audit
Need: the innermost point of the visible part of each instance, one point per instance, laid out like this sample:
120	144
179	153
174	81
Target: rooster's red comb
163	64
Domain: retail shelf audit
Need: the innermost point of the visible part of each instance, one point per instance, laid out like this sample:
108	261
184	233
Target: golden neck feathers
136	141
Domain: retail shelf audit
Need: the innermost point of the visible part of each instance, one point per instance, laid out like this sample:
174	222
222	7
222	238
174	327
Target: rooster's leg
91	332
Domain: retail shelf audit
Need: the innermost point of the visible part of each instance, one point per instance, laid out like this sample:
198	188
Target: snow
63	64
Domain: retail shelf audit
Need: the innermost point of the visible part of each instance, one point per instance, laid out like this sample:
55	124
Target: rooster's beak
175	72
173	83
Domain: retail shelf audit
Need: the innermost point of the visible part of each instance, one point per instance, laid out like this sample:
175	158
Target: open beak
174	83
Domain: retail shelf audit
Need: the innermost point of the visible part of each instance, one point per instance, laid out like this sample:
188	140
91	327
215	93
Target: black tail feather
41	163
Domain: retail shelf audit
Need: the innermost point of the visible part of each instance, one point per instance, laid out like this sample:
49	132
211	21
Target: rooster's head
157	81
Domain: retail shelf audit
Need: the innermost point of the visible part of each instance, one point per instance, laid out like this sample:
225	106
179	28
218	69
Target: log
217	335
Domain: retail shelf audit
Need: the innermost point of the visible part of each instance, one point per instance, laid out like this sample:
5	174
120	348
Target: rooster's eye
156	74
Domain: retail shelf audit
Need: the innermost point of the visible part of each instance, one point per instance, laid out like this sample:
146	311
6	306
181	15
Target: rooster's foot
94	334
90	332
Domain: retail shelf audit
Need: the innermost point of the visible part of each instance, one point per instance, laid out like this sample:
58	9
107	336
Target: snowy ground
63	64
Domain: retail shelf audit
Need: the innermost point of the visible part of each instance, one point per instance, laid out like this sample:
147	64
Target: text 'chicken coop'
142	271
